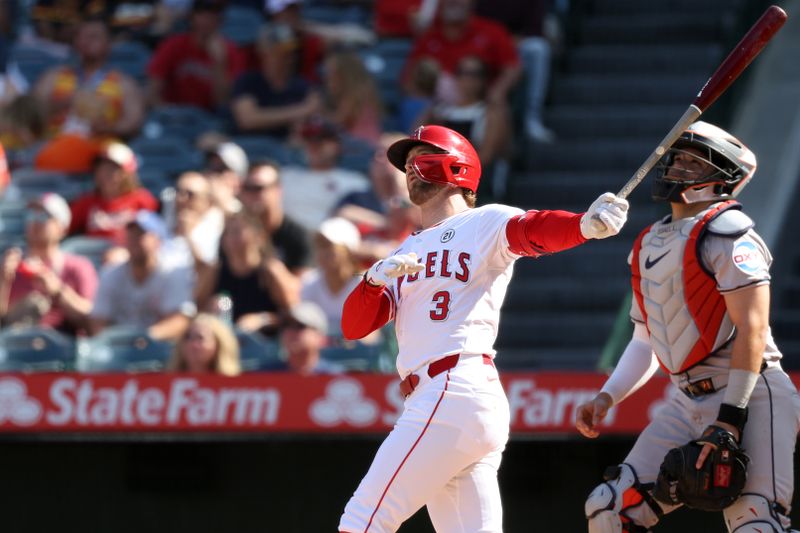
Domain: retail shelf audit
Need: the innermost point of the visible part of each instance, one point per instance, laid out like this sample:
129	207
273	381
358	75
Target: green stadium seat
122	349
257	352
35	349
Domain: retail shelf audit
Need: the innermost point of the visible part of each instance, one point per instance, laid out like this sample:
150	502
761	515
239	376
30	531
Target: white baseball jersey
453	305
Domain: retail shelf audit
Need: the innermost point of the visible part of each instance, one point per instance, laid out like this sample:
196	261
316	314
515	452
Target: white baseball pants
443	452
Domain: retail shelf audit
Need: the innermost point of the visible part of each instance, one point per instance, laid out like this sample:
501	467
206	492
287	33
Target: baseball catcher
700	279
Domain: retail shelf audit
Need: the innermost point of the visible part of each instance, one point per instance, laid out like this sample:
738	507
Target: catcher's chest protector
683	310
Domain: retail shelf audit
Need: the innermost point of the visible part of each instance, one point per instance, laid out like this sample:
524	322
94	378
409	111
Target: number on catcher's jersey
441	303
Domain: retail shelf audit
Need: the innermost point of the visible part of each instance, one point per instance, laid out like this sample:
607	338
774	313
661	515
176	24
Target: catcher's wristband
735	416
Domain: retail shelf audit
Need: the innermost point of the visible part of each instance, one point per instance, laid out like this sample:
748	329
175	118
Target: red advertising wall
541	403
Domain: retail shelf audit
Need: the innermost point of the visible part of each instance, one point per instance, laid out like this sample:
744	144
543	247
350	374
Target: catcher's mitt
714	486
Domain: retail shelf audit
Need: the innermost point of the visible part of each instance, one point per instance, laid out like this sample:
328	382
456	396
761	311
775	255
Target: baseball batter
444	287
701	312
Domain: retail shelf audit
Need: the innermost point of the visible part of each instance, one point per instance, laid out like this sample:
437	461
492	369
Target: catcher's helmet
733	162
455	162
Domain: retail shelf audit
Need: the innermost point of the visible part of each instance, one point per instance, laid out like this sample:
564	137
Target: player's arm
543	232
371	304
635	368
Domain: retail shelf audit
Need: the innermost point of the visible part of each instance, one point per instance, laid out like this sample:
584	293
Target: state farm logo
541	407
344	402
15	404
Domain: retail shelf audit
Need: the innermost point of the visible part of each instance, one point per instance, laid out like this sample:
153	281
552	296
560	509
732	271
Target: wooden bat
748	48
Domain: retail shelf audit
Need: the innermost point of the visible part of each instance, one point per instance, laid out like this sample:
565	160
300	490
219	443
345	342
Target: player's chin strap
615	506
754	513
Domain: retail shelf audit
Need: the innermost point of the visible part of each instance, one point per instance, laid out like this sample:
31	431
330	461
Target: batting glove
605	217
384	271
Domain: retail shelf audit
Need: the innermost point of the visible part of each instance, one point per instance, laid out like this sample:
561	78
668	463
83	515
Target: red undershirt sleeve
366	309
537	233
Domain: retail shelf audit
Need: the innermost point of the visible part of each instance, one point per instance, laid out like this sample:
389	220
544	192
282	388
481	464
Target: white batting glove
385	270
605	217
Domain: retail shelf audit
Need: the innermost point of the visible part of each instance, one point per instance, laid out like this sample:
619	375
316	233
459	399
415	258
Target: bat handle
690	115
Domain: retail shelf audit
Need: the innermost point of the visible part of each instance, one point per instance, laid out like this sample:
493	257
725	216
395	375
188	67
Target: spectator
353	103
458	33
196	223
46	286
5	175
117	197
383	213
303	337
262	197
22	123
526	21
92	100
209	346
420	95
226	167
257	282
335	245
198	67
140	292
273	98
487	124
310	193
309	49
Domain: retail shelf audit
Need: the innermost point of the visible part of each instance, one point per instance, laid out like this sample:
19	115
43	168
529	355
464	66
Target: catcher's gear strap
635	368
536	233
609	505
754	513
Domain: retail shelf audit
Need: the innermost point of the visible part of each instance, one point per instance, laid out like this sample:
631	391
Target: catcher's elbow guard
611	506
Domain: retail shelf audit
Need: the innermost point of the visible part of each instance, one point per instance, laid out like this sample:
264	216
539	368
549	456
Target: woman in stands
352	98
208	347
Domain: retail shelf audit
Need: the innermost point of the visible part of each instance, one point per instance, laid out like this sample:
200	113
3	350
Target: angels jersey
731	257
453	304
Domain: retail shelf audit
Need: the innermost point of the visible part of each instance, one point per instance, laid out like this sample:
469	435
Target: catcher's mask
455	162
732	162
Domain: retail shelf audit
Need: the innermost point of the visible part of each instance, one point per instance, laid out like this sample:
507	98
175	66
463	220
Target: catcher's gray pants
769	438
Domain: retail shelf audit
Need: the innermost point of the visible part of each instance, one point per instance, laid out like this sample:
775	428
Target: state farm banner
541	403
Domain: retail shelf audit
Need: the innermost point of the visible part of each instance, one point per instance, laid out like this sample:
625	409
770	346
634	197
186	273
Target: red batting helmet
456	162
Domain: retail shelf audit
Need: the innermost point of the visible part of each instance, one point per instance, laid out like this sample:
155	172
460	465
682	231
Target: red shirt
75	271
482	37
96	216
392	17
185	69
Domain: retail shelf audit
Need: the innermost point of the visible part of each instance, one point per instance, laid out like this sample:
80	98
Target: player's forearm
635	368
170	327
544	232
366	309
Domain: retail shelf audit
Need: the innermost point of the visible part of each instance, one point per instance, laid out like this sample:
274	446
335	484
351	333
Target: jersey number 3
441	306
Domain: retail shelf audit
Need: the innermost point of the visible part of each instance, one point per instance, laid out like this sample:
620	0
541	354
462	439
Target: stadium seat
354	357
93	248
35	349
356	154
122	349
185	122
33	61
172	155
131	58
265	147
257	352
30	183
241	24
12	222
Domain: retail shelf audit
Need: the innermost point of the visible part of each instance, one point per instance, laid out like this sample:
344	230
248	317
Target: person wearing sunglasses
45	286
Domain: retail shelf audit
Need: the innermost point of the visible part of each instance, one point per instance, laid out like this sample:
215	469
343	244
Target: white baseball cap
232	156
276	6
339	230
55	206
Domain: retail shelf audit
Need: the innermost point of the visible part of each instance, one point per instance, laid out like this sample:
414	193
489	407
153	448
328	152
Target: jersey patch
447	235
747	257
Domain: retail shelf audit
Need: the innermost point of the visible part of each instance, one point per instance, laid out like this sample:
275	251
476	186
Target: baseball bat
748	48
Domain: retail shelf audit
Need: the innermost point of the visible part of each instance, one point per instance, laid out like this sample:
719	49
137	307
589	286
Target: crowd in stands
211	174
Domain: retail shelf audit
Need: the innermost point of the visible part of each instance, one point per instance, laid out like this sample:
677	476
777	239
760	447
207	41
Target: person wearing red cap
117	197
444	286
43	285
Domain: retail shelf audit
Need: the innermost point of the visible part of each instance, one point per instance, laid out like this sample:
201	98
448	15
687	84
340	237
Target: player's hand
589	415
385	270
708	447
605	217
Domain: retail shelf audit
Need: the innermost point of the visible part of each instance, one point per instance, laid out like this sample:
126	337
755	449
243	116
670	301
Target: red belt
444	364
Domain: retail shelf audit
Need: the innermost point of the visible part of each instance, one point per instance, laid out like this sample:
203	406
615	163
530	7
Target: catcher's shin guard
754	513
615	506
